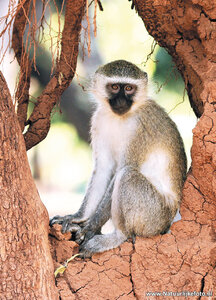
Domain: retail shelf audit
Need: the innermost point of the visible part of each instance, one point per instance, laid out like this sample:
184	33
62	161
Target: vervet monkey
139	163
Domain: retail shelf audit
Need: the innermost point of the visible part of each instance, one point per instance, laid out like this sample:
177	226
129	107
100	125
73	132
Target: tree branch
39	121
22	56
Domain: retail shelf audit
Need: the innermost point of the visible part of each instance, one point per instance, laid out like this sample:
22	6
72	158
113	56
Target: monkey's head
120	85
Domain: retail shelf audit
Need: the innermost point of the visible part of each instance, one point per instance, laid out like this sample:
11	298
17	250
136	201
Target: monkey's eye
129	89
115	87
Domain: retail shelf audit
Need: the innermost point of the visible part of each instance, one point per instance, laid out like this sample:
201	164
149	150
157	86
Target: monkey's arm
101	215
100	180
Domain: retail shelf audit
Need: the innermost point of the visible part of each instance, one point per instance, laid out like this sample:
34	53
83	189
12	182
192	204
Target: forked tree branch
39	121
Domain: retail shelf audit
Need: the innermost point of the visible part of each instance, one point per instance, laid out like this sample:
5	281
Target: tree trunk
25	262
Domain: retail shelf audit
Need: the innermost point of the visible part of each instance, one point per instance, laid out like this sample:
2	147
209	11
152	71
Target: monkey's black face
120	97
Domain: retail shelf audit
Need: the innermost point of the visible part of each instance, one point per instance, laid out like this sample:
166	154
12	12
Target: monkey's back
159	149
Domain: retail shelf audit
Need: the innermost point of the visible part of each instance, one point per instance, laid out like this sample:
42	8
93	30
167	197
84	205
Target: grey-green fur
121	68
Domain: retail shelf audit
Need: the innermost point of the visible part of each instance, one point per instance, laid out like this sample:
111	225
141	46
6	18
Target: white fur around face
155	169
100	94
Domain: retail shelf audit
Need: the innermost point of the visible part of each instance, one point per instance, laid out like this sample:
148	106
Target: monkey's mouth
120	106
120	110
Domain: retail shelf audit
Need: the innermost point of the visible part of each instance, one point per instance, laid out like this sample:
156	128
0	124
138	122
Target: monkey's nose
121	107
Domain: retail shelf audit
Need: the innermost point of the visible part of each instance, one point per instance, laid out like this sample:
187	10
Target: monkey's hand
73	224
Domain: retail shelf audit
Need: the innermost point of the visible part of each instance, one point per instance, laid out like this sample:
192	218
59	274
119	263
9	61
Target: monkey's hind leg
101	243
137	207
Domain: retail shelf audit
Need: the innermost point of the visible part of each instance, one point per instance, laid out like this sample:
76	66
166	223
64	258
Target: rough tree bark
25	261
185	259
22	56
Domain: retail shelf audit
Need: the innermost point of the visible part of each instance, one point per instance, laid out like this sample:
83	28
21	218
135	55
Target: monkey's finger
56	220
68	225
65	226
80	221
80	239
60	220
80	236
73	227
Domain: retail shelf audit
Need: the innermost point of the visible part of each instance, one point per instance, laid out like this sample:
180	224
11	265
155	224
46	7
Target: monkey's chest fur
121	142
112	135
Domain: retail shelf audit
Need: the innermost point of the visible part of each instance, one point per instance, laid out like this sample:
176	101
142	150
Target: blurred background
61	164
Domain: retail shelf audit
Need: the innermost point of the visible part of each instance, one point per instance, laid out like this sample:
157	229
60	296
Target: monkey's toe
91	246
85	252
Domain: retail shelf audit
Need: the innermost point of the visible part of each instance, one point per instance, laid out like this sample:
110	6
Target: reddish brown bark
187	30
185	259
39	121
22	56
177	262
25	261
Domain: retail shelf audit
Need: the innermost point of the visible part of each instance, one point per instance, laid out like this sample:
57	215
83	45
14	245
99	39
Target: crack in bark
73	292
120	296
82	287
130	274
205	14
182	255
199	191
202	285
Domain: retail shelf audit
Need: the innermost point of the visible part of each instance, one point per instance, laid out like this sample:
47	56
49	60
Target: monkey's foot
94	245
87	249
101	242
